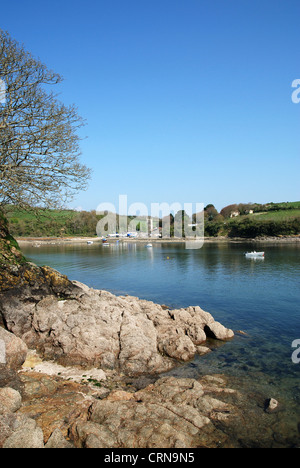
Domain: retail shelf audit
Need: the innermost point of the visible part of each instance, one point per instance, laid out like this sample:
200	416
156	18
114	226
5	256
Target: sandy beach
36	241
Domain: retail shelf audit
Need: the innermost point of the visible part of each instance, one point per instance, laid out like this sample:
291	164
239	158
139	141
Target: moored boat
255	254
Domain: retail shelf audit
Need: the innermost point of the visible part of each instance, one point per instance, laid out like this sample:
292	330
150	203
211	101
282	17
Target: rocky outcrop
98	329
172	413
119	412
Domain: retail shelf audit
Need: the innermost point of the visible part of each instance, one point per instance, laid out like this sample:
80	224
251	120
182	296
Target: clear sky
185	100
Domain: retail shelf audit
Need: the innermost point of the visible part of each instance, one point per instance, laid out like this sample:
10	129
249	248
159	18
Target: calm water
259	297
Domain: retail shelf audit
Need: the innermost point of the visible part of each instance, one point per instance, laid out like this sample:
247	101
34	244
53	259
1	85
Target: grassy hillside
47	223
53	223
254	220
278	215
272	219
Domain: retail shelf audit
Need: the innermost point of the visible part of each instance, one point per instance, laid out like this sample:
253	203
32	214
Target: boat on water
149	245
255	254
90	242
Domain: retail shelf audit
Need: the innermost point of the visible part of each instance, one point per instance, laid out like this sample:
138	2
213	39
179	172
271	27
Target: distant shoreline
35	241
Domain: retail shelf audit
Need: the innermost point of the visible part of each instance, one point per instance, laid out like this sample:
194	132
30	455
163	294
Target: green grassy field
44	223
14	214
279	215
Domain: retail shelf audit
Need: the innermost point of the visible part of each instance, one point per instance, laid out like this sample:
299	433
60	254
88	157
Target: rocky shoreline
82	368
44	405
98	343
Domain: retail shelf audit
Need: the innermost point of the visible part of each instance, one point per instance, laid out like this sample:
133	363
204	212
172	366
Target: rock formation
172	413
98	329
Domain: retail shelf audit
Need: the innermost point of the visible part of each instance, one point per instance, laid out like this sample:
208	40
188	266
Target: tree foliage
210	212
228	210
39	142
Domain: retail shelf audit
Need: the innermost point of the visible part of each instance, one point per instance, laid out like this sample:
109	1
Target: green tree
210	212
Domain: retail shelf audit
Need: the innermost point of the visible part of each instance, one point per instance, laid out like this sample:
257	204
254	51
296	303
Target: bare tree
39	142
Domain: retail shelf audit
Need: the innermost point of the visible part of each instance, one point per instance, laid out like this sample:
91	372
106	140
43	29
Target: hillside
256	220
237	220
51	223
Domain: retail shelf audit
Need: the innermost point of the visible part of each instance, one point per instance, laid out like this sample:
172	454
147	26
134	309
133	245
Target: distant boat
90	242
255	254
149	245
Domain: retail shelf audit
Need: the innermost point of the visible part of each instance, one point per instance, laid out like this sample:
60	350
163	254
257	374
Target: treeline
251	228
236	220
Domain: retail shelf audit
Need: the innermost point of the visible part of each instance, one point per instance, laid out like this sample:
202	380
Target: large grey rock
99	329
17	430
13	350
25	435
10	400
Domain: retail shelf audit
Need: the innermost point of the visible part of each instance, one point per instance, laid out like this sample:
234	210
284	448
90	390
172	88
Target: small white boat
255	254
149	245
90	242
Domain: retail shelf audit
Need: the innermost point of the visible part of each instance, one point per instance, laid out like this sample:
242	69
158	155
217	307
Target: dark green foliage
251	228
212	229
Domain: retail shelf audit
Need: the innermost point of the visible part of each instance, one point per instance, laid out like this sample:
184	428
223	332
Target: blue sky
185	101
